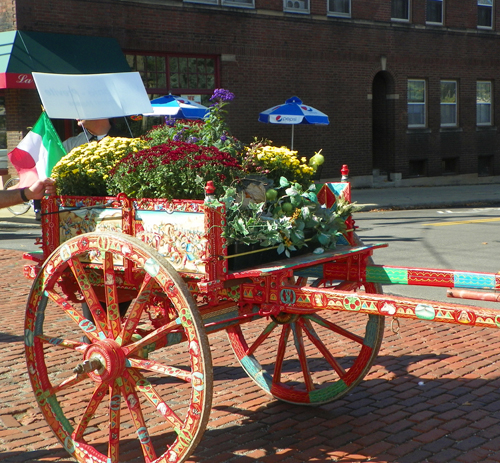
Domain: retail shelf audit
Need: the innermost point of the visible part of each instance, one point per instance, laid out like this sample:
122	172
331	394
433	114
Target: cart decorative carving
154	275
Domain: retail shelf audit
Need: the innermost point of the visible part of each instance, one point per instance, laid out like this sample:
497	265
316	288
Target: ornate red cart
306	329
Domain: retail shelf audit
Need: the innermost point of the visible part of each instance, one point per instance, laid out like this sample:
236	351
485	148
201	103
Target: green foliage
295	219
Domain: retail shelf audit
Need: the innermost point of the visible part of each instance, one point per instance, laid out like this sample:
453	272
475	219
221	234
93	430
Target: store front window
195	77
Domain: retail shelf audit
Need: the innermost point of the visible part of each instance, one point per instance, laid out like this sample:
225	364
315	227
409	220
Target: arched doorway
383	124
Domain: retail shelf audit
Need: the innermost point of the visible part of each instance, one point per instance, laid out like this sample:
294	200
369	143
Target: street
455	239
431	396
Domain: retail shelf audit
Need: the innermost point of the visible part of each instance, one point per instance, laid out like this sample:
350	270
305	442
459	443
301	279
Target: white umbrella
293	112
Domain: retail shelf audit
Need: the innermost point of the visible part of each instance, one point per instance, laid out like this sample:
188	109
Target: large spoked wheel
18	209
128	395
310	359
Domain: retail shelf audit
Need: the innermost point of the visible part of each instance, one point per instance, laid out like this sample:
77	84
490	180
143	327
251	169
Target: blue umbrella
177	108
293	112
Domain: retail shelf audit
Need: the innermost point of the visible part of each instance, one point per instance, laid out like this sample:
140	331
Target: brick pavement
432	396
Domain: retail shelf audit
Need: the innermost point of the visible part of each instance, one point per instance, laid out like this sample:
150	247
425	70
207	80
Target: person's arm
20	195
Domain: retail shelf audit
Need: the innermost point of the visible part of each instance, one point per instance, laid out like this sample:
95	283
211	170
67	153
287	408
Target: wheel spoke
314	338
64	343
134	406
285	332
112	309
335	328
151	365
299	346
151	338
88	293
96	399
144	386
114	423
135	311
262	337
66	384
87	326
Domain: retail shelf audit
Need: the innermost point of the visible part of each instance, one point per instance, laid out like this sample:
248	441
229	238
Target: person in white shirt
93	129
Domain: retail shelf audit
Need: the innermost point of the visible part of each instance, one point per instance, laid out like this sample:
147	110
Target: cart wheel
122	392
18	209
310	359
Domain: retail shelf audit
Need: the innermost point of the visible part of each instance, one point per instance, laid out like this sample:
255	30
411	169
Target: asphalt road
19	236
456	239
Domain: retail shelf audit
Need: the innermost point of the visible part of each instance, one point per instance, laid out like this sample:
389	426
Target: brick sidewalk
433	395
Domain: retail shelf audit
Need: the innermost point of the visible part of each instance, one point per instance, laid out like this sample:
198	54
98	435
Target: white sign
92	96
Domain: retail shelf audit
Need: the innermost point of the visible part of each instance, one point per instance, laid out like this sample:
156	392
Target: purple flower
223	137
192	139
222	95
169	122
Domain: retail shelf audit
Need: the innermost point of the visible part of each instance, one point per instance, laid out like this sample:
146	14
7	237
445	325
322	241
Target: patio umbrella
177	108
293	112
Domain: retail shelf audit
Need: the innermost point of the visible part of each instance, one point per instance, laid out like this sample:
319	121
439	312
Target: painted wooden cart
155	276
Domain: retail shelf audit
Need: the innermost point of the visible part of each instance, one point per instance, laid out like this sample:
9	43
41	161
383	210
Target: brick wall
330	63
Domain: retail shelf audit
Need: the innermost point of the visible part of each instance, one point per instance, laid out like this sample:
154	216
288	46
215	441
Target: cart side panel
176	229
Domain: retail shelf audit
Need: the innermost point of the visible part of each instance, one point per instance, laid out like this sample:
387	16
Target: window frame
422	103
437	23
229	3
481	5
292	9
442	104
167	71
408	18
479	105
337	13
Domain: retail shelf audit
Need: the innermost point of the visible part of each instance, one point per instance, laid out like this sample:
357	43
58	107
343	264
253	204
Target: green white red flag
37	153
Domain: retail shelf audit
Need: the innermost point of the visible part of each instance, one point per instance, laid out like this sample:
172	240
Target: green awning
22	52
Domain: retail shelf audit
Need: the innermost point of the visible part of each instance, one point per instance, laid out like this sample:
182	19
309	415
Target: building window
235	3
450	166
435	11
449	103
339	8
296	6
483	103
400	10
485	14
417	168
485	165
416	103
177	74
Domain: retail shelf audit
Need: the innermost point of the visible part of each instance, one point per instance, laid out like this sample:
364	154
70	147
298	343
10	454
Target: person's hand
41	188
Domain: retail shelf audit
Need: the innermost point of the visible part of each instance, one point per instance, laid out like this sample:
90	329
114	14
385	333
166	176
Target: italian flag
38	152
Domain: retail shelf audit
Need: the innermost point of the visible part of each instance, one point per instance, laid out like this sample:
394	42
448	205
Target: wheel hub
104	361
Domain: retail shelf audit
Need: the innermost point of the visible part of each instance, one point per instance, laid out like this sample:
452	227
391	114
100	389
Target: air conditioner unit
296	4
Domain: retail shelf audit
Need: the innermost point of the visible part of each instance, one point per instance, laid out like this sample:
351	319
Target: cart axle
87	366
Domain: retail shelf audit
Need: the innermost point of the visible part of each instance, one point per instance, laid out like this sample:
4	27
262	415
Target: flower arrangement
175	169
274	162
85	169
212	131
268	191
294	219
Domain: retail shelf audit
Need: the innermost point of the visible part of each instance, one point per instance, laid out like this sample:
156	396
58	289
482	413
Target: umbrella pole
292	136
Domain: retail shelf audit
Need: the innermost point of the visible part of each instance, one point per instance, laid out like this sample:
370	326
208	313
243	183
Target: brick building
409	85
